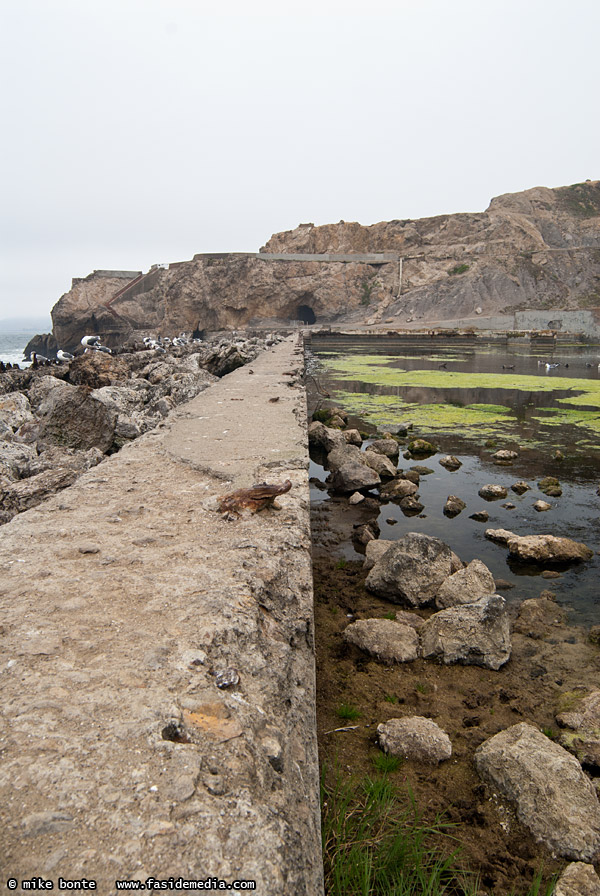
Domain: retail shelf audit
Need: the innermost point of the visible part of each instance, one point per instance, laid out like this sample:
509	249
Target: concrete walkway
157	660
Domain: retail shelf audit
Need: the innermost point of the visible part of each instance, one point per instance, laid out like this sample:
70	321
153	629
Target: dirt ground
470	703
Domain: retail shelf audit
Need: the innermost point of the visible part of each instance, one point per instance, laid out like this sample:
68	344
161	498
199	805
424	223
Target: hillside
539	249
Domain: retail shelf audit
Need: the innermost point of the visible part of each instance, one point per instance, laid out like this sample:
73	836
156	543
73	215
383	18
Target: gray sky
144	131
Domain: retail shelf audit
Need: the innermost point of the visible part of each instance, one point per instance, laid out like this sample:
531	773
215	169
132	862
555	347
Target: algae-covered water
471	401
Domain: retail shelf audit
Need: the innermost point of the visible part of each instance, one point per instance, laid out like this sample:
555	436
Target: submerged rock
416	738
552	796
453	506
398	488
492	492
421	448
504	457
548	549
541	506
500	536
520	487
481	516
550	486
450	462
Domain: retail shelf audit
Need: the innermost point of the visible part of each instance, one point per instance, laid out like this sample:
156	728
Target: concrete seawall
157	658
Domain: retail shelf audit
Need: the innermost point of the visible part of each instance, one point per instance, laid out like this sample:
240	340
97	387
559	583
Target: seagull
90	340
64	356
102	348
551	366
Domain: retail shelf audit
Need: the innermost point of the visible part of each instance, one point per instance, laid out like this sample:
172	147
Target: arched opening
306	314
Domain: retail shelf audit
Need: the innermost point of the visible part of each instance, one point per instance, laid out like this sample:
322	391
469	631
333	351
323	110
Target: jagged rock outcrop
539	249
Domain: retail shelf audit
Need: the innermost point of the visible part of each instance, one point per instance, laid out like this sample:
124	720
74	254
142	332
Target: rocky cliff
539	249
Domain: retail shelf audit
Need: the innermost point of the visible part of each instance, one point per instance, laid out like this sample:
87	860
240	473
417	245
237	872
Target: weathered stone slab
545	784
548	549
416	738
476	634
385	639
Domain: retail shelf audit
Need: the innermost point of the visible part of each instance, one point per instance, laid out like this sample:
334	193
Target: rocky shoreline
58	420
416	612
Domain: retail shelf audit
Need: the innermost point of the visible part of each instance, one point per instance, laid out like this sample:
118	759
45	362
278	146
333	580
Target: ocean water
14	339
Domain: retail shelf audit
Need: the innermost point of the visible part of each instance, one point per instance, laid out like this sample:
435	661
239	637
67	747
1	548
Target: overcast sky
144	131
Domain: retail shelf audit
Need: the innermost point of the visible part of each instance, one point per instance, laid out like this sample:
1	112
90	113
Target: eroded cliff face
539	249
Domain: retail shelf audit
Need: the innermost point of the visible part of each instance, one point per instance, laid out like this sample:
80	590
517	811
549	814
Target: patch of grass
391	614
390	698
549	732
376	844
422	688
384	762
347	711
341	564
459	269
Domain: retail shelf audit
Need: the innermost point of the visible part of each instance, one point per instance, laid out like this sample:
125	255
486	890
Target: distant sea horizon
15	333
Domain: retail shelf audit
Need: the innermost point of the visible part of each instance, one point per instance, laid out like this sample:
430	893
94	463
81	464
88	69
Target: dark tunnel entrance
306	314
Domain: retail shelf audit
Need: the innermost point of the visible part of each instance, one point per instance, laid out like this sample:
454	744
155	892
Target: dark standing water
471	401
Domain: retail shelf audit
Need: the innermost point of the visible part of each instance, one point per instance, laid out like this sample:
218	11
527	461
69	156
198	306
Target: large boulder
353	477
476	634
412	570
546	785
380	463
385	639
398	488
72	418
548	549
344	454
465	586
416	738
324	437
387	447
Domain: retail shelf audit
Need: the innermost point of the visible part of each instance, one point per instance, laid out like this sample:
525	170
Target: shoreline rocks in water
58	420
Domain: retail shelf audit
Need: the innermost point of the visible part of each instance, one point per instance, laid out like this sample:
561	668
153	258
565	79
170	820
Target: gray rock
548	549
476	634
492	492
387	447
381	464
356	498
578	879
354	476
552	796
375	550
324	437
504	457
352	436
415	738
70	417
500	536
412	570
465	586
540	506
453	506
581	724
396	429
410	505
15	409
537	616
398	488
385	639
481	516
15	460
520	487
344	454
450	462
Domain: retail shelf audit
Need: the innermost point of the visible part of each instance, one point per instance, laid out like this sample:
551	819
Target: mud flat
157	658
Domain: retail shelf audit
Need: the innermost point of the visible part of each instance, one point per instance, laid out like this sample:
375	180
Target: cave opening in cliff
306	314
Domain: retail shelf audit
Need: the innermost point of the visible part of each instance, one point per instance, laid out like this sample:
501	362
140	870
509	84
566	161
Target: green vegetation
390	698
549	732
367	286
391	614
375	844
459	269
386	763
341	563
346	711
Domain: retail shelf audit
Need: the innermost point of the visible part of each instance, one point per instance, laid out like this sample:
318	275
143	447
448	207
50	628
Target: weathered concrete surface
123	599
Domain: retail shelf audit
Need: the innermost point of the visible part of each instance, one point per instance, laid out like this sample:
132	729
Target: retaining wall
157	659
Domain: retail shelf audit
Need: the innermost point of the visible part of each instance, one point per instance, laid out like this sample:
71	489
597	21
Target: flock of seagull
93	344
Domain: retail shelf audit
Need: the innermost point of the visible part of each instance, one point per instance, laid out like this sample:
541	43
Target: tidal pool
471	402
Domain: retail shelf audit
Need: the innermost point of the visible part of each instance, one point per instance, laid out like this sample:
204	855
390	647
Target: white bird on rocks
90	341
64	356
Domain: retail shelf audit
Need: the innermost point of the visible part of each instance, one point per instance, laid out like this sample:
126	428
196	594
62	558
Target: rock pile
56	421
